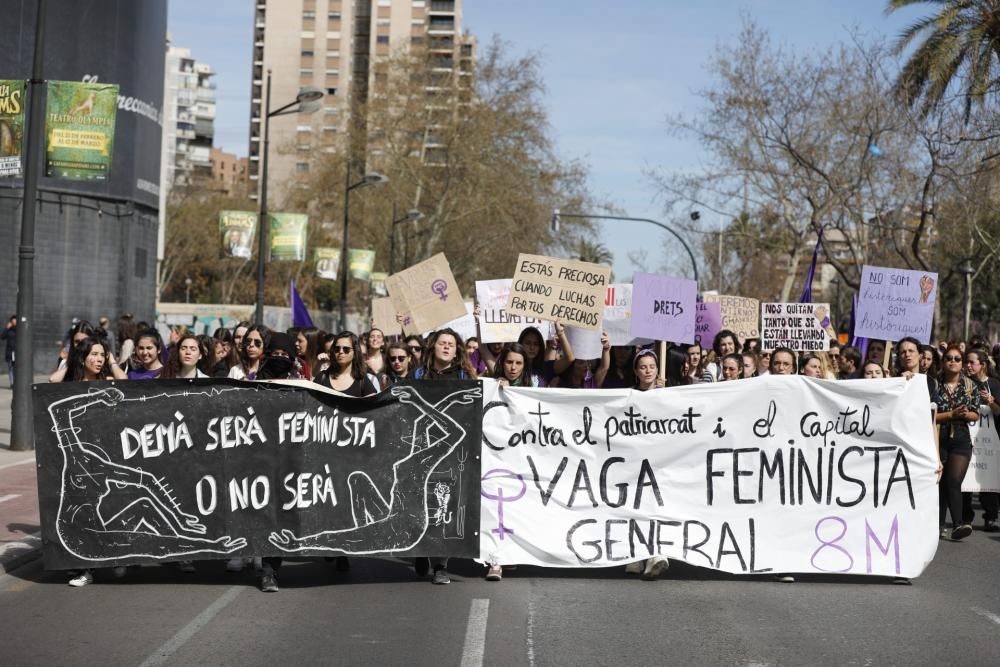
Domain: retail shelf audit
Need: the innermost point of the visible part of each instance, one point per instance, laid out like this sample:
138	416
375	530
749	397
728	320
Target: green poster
11	126
328	263
80	130
237	229
378	283
360	263
288	236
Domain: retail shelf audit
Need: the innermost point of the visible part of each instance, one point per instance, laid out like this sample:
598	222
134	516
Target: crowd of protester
960	376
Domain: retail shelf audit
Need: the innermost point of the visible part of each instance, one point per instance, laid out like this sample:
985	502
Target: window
306	71
333	16
382	39
331	91
333	72
308	53
308	16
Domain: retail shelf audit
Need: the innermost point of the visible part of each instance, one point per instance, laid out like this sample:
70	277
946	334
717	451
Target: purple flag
807	291
300	315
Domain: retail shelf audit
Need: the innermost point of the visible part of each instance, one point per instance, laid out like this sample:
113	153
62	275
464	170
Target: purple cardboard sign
663	308
707	323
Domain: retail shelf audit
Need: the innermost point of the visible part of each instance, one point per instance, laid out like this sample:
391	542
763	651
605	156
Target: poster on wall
80	130
288	236
237	229
11	127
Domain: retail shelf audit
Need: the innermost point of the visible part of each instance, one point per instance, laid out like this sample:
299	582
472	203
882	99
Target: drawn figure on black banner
108	511
382	525
442	493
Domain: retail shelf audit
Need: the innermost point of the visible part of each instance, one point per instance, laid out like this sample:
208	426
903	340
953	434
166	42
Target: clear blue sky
614	70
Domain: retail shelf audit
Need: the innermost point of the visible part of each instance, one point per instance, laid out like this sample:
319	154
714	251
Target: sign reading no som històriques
770	474
560	290
176	469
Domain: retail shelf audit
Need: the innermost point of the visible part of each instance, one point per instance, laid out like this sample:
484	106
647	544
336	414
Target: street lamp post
556	215
414	215
22	436
307	101
370	179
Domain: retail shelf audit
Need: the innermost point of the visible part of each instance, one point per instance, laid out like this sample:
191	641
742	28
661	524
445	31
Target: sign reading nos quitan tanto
769	474
560	290
167	470
803	327
895	303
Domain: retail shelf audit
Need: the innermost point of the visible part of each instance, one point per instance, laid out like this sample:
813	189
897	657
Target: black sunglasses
953	358
254	342
414	348
399	358
342	348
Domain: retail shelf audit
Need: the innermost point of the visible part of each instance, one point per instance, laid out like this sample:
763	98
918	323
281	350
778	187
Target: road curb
17	554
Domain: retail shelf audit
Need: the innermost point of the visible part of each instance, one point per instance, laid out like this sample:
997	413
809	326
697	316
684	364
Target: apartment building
188	120
337	45
229	173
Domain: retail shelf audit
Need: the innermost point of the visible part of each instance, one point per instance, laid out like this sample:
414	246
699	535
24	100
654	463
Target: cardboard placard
895	303
384	316
464	326
426	295
740	314
496	323
663	307
560	290
802	327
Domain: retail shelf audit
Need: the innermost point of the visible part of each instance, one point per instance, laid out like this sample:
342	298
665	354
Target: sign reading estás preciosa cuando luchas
559	290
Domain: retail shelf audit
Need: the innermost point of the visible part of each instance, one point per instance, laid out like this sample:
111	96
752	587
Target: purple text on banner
895	303
663	307
708	323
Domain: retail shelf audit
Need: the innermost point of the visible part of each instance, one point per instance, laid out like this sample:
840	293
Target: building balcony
442	6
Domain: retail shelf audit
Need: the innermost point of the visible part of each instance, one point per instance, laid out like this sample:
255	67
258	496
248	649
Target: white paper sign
586	343
984	468
735	476
496	323
803	327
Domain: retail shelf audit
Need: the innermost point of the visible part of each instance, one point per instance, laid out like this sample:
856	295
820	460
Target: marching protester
750	364
184	359
678	367
725	342
375	352
810	366
400	363
957	401
978	366
254	341
224	353
733	367
873	370
620	373
347	373
782	362
512	367
415	344
148	354
849	362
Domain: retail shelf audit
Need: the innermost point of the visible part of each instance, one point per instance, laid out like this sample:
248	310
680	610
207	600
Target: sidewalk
19	523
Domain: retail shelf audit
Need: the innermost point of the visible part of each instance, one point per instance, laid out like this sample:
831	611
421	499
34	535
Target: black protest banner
138	472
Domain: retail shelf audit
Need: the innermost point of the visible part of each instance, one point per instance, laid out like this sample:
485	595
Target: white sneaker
634	568
495	573
234	565
655	566
83	579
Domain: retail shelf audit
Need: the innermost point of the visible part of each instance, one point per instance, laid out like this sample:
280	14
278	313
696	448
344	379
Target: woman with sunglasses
958	402
254	342
348	373
148	352
400	363
415	344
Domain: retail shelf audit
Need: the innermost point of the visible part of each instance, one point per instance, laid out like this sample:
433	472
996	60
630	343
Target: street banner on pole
12	103
157	471
560	290
328	263
288	236
802	327
237	229
80	129
740	314
895	303
426	295
771	474
663	308
496	323
360	263
378	283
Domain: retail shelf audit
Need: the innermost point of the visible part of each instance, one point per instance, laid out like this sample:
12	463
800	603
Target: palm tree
959	44
595	253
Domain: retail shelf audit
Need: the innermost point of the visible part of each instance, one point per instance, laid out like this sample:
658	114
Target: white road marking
9	496
988	615
475	633
17	463
529	635
171	646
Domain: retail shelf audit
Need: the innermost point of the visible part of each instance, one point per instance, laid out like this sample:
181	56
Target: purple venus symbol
500	473
440	288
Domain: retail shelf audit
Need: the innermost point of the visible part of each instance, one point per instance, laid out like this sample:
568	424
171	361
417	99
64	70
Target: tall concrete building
335	45
188	120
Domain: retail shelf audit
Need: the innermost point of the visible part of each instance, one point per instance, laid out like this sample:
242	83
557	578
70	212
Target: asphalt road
380	614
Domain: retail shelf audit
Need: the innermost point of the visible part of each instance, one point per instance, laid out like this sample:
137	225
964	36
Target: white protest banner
618	316
740	314
586	343
464	326
895	303
984	467
426	295
496	324
769	474
560	290
802	327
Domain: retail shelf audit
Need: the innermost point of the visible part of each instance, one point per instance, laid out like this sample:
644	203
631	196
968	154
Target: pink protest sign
708	322
663	308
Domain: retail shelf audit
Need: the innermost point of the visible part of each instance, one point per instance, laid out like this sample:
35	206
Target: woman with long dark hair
254	343
512	367
347	373
678	371
184	358
958	402
375	352
400	364
445	358
148	351
224	353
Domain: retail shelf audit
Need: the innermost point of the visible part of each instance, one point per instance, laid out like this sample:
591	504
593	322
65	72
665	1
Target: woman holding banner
958	406
512	367
348	373
254	343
